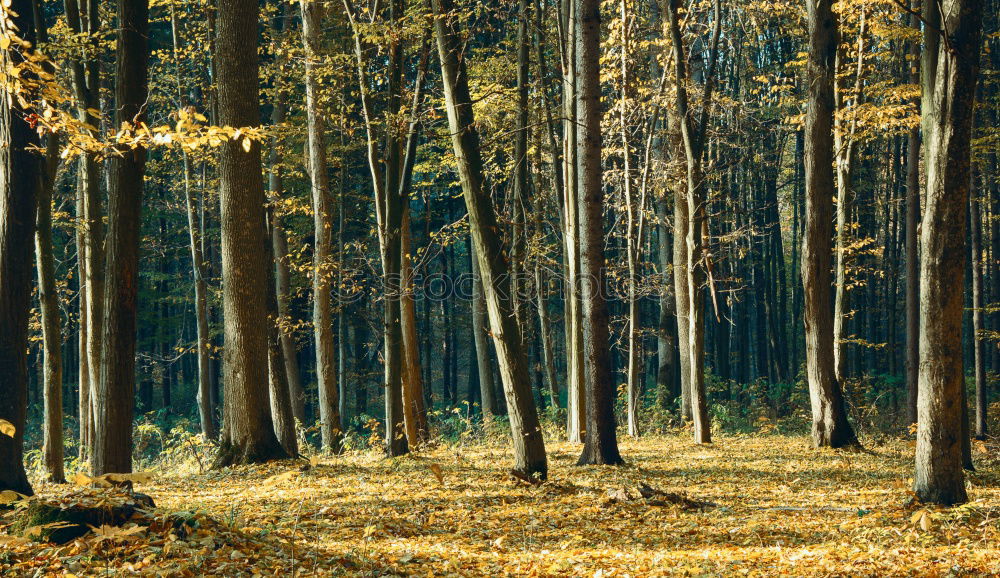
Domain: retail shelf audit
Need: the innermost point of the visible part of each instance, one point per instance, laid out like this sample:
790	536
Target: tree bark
205	410
978	323
116	388
526	434
331	430
948	94
912	244
576	408
19	174
830	426
601	444
248	431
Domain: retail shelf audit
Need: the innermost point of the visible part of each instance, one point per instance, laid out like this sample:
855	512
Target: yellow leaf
7	428
81	479
10	496
436	469
246	144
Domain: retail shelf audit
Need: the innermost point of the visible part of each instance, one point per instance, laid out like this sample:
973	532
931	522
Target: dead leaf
7	428
438	473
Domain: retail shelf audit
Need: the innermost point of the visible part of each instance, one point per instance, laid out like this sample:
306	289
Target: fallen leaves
756	505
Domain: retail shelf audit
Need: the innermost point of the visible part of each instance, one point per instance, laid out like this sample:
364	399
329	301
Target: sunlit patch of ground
780	507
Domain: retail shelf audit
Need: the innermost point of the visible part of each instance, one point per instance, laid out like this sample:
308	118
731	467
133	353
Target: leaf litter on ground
747	505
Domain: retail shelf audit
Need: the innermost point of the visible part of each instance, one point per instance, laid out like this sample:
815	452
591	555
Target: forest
499	287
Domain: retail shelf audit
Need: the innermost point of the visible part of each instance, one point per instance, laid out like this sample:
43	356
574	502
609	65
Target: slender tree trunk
693	140
248	431
48	297
205	410
912	245
978	325
48	301
529	447
116	388
282	276
576	386
279	390
480	330
326	369
601	444
830	425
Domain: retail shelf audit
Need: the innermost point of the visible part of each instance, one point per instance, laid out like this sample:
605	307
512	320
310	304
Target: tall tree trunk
331	430
601	444
116	388
844	147
526	434
282	276
205	410
912	245
576	386
830	425
48	296
948	93
693	139
978	325
83	18
386	176
248	431
19	174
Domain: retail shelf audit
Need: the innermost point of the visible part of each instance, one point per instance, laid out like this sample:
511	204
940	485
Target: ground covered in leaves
755	506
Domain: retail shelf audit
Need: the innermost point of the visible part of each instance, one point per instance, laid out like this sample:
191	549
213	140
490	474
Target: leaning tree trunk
526	434
601	443
248	431
949	93
116	388
830	425
19	173
331	431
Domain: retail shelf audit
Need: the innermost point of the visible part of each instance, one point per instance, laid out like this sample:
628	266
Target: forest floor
746	505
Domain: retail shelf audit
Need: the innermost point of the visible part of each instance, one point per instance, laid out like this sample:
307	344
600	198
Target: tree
948	91
601	443
248	431
912	247
322	274
19	173
197	261
526	434
693	138
116	388
48	297
830	426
